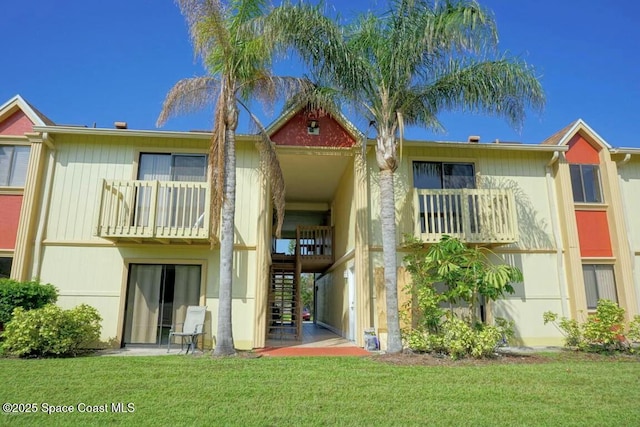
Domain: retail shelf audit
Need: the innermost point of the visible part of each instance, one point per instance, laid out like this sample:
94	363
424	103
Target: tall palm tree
405	67
234	42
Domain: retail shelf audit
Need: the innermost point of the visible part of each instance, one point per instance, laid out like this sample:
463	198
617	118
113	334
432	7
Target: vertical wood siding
83	161
523	172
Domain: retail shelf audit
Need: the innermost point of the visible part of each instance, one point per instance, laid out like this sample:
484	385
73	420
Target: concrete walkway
316	341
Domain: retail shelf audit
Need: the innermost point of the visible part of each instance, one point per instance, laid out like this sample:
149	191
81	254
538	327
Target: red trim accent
9	217
593	234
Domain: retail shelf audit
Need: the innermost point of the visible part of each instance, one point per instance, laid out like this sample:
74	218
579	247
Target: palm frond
187	96
270	166
503	87
206	20
267	88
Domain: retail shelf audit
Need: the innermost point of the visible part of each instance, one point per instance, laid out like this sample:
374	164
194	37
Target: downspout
555	224
44	211
625	215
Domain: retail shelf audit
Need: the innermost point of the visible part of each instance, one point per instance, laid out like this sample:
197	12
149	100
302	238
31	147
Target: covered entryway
317	153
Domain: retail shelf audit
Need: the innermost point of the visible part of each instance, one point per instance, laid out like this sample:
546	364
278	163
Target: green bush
603	331
459	340
28	295
51	331
634	329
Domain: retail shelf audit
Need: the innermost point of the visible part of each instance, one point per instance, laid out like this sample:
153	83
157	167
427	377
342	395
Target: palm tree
234	42
405	67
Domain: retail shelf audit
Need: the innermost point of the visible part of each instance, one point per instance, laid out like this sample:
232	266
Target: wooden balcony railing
472	215
315	242
153	209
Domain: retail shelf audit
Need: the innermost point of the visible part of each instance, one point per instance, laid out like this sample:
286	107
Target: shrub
603	331
459	340
51	331
634	329
28	295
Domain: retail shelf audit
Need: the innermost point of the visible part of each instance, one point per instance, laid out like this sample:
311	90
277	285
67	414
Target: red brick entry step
312	351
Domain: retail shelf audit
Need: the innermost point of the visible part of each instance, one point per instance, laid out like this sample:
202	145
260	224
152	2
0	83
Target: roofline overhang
581	124
625	150
78	130
483	146
18	102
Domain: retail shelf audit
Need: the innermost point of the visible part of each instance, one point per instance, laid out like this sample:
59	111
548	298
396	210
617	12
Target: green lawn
174	390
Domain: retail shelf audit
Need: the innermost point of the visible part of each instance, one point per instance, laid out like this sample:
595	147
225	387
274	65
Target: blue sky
86	62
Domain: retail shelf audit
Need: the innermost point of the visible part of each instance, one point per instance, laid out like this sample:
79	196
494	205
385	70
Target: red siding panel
593	234
9	217
294	132
16	124
580	151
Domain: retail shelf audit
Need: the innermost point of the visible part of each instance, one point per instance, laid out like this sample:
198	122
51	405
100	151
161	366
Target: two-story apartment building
117	218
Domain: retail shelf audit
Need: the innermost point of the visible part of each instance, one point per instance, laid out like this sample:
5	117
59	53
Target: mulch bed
421	359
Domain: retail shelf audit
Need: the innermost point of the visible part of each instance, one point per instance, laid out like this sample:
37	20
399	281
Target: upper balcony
154	210
314	251
480	216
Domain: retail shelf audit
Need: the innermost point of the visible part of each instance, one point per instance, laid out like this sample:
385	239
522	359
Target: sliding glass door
157	297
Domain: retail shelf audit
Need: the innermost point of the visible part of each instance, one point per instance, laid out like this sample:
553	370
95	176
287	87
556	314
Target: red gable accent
16	124
295	132
580	151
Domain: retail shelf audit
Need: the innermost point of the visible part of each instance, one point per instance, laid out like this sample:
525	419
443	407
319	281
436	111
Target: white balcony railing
472	215
154	209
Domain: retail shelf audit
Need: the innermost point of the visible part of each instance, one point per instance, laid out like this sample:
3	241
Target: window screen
599	283
14	161
585	182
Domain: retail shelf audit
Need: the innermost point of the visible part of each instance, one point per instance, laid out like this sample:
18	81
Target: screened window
5	267
585	181
175	205
599	283
14	160
436	175
440	212
172	167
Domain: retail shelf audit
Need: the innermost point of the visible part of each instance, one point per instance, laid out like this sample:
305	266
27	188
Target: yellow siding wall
344	214
88	269
536	251
520	171
629	189
84	161
332	303
630	186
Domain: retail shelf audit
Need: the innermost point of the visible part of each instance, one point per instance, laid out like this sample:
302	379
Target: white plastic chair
192	328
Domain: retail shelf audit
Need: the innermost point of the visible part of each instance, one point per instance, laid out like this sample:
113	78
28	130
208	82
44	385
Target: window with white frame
14	161
585	181
599	283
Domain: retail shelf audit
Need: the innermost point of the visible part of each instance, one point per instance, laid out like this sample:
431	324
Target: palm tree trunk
224	341
388	219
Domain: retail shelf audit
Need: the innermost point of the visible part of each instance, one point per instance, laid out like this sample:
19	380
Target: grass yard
265	391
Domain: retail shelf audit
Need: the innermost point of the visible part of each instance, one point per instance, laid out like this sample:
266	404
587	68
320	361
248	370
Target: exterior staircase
313	254
285	311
